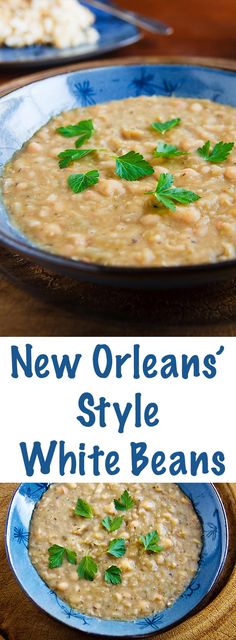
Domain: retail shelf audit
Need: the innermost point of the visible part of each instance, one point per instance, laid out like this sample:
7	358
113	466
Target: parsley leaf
168	151
111	524
70	155
87	568
219	153
112	575
71	556
125	502
81	140
133	166
167	195
57	555
84	129
150	542
165	181
83	509
117	547
162	127
81	181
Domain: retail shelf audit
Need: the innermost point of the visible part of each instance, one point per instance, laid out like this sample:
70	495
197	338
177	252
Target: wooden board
115	306
20	619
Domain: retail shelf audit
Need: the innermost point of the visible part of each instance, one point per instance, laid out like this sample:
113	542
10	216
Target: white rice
60	23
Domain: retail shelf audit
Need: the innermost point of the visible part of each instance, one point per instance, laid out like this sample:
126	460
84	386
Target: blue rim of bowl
87	270
154	623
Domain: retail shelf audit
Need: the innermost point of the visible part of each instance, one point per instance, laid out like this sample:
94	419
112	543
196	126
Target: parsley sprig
162	127
57	555
219	153
84	129
112	524
71	155
125	502
81	181
112	575
117	547
87	568
83	509
168	151
150	542
133	166
167	195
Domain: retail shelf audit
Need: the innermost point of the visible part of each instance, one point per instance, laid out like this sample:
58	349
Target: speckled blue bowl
210	510
24	111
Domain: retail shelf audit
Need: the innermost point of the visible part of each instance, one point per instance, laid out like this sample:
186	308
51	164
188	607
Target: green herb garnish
112	575
150	542
111	524
167	195
219	153
162	127
57	555
71	155
133	166
84	129
81	181
125	502
117	547
83	509
87	568
168	151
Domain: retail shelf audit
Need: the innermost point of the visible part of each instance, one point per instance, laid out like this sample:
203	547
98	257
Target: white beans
64	24
120	221
230	173
149	580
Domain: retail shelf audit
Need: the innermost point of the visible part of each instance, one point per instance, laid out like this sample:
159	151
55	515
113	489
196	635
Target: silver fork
149	24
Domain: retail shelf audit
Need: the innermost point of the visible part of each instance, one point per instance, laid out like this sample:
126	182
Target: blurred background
201	27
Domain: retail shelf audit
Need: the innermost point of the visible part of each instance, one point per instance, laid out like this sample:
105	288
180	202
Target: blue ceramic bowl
114	34
211	512
36	102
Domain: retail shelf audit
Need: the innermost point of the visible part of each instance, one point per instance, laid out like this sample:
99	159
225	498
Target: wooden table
201	29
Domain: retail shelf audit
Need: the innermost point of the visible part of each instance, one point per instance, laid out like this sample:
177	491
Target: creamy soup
158	538
115	221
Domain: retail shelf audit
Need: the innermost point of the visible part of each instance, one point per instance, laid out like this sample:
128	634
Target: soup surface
115	222
150	580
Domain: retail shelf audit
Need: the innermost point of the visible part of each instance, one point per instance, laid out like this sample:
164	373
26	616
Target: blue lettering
104	350
138	460
86	397
111	463
218	459
37	454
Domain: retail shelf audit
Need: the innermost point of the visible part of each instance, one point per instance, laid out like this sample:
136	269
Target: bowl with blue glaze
40	99
210	510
